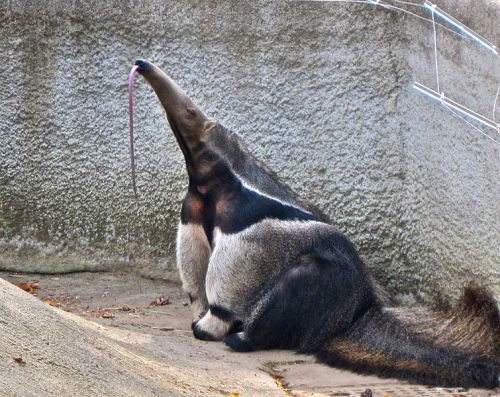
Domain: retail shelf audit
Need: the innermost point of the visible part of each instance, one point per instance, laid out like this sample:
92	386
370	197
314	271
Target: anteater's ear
208	126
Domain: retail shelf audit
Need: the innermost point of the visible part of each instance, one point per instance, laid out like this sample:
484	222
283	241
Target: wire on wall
458	28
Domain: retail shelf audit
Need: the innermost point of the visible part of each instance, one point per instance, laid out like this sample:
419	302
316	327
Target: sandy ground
152	319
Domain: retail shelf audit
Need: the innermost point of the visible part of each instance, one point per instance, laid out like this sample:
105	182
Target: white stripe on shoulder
248	186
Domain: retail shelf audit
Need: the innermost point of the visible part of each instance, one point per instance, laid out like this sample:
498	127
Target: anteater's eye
191	113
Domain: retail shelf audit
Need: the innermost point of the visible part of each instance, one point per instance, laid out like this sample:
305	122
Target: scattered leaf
278	378
161	301
19	360
234	394
52	303
28	287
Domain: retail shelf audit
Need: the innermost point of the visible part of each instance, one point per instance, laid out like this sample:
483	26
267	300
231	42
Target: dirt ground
153	320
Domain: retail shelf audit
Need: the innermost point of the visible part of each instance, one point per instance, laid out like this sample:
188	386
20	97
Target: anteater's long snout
186	120
171	96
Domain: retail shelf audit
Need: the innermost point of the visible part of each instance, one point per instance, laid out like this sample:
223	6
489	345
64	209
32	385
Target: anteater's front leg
193	254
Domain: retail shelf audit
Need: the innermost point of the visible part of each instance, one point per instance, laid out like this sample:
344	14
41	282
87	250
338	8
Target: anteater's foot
238	342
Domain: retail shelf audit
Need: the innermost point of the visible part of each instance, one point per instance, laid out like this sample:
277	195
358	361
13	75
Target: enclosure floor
162	332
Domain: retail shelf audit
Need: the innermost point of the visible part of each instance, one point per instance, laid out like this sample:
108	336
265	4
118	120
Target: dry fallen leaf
234	394
161	301
19	360
28	287
52	303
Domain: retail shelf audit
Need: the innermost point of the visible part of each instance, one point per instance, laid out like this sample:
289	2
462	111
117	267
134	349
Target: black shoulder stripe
221	312
250	207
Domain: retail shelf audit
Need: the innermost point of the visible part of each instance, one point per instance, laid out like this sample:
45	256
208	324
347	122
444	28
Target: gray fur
243	262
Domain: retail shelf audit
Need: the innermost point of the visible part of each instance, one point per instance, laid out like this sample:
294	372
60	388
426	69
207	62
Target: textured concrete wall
320	91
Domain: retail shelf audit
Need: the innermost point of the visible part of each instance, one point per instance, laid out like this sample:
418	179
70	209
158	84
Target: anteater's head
188	122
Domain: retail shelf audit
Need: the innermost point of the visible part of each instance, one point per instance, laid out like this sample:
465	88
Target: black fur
325	291
221	312
246	207
236	326
236	342
200	334
242	206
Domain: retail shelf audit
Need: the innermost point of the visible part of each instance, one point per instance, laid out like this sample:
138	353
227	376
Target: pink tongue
131	77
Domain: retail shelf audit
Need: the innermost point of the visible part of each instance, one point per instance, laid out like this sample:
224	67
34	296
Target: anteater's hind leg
306	303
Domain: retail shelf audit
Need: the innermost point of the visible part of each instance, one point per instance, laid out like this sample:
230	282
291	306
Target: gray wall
320	91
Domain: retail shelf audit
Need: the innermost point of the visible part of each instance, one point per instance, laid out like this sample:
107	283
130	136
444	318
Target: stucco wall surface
321	91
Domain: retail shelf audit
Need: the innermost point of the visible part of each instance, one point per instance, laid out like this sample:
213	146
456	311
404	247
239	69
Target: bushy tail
473	325
462	351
